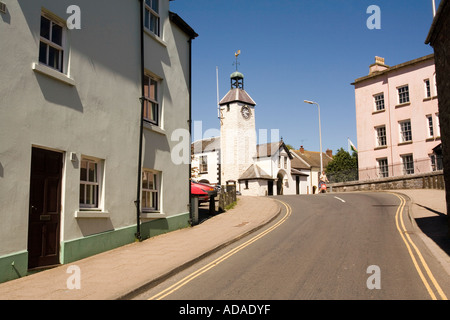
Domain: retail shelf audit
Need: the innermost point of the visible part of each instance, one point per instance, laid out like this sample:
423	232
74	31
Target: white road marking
339	199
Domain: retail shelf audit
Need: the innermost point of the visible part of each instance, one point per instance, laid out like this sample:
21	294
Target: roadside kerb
154	282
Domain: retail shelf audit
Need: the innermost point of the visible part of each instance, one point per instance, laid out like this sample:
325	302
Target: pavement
119	273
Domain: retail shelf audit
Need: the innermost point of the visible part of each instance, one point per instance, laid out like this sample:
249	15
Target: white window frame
150	193
405	134
203	164
438	126
379	137
152	103
152	12
430	127
90	186
403	94
408	164
379	101
62	56
427	85
383	168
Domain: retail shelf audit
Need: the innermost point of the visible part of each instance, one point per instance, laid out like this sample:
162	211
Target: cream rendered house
71	129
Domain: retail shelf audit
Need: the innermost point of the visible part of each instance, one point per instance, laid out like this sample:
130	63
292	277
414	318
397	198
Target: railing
387	171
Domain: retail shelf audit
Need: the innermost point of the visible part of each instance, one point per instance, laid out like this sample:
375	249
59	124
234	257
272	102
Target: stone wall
431	180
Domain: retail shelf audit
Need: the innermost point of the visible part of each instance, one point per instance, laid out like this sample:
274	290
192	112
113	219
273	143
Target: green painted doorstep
15	265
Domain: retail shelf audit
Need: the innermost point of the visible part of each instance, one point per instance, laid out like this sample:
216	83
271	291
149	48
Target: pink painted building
397	119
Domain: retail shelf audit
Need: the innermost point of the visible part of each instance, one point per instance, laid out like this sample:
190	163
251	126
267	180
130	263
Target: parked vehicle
203	191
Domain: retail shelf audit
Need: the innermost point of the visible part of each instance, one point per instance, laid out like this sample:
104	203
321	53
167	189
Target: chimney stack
301	149
329	153
378	66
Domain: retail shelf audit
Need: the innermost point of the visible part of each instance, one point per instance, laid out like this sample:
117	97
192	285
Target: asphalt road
333	246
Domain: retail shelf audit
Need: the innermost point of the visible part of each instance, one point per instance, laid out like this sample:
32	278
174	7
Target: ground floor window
150	190
89	183
383	169
408	164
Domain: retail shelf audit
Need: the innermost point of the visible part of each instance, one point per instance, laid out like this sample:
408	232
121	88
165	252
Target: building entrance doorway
44	208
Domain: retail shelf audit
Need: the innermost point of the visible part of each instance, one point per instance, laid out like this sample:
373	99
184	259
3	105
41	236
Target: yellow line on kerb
222	258
407	241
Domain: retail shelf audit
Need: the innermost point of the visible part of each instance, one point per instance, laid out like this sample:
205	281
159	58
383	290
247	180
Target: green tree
343	167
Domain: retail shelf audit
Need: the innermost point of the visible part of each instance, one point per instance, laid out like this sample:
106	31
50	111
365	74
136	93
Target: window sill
403	104
152	215
405	143
49	72
378	111
155	37
427	99
92	214
429	139
154	128
380	148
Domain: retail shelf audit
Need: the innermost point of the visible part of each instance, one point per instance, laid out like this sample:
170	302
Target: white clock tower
237	130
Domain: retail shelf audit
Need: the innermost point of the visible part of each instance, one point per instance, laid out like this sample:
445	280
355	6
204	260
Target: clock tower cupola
237	130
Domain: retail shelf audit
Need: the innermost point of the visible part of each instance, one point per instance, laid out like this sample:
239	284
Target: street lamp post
320	134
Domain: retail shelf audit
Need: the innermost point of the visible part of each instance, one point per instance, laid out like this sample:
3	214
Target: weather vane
236	54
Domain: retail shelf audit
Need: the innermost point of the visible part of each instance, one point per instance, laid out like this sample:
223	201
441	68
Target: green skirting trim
77	249
13	266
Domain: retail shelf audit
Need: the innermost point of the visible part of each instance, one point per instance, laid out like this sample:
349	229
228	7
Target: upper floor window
403	94
151	104
427	88
379	101
438	126
51	49
430	126
203	164
151	18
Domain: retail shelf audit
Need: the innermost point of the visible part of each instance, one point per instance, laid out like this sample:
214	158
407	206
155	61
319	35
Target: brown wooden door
45	206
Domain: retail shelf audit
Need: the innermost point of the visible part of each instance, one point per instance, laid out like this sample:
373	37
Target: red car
202	191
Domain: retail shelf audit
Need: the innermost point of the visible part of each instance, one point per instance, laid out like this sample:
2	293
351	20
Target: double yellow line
409	243
222	258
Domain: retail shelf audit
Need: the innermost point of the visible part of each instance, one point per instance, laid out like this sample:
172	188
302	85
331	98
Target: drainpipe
190	129
141	129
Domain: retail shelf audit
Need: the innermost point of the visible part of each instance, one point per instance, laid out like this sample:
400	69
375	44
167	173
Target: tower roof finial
236	54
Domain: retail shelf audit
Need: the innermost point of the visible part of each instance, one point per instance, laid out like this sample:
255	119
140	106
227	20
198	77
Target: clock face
246	113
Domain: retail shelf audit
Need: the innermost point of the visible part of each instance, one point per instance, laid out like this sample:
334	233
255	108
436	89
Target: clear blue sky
292	50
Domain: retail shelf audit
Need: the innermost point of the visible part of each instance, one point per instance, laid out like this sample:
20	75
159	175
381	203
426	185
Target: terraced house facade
90	97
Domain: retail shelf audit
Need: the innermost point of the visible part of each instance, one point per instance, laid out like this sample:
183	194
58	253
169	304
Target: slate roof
237	95
269	149
206	145
312	158
254	172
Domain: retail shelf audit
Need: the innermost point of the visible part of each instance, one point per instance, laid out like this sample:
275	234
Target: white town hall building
236	158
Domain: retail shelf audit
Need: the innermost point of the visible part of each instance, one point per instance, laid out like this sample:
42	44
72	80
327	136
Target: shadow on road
436	228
